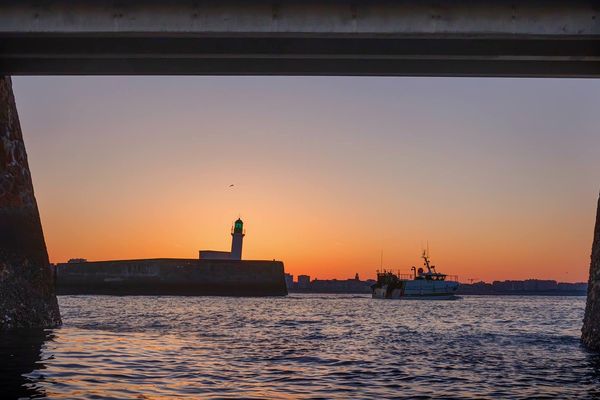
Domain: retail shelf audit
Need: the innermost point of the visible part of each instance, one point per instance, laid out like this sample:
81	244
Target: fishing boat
423	283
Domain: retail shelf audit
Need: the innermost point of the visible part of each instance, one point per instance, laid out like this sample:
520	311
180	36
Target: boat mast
426	258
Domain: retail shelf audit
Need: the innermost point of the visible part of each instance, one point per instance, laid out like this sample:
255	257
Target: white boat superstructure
422	283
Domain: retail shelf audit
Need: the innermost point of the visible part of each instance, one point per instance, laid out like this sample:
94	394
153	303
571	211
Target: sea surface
304	346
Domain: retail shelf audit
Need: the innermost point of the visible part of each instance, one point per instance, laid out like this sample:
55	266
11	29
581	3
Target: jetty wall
170	276
590	333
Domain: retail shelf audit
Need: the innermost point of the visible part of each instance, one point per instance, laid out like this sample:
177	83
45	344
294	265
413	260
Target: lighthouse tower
237	233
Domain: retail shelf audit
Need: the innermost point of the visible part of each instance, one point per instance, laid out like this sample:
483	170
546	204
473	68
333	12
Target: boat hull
418	289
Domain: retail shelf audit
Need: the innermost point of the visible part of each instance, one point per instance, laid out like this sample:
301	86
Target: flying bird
232	185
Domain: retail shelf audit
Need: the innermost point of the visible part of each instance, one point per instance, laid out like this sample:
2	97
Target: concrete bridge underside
257	37
301	37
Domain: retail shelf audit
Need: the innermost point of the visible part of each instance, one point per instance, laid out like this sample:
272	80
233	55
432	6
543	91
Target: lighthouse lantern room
237	233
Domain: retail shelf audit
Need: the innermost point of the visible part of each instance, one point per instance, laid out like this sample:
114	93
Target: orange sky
500	176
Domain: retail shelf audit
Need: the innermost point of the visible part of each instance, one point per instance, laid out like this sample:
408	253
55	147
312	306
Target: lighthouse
237	238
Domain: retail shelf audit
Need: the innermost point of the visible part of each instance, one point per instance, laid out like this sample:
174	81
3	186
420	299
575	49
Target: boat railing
410	277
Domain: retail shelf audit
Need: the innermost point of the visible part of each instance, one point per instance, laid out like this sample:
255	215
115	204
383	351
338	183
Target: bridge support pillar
590	333
27	297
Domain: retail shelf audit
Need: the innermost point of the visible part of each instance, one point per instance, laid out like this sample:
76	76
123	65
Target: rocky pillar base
27	297
590	333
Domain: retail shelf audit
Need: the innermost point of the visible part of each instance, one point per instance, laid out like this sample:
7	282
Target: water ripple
307	346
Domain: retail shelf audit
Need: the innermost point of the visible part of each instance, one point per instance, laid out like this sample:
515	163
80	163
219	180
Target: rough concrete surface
538	38
590	333
27	297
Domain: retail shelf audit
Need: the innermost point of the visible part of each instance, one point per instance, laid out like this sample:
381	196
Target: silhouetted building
340	286
353	285
289	280
303	281
525	287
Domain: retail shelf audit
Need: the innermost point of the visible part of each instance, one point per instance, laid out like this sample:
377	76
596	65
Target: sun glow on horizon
500	176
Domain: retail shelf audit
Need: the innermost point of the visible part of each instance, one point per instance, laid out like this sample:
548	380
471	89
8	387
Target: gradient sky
500	176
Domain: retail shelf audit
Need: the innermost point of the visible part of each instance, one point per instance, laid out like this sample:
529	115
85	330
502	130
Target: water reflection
592	378
20	356
304	347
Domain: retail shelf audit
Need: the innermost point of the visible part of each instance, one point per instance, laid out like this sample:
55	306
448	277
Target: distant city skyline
462	280
500	176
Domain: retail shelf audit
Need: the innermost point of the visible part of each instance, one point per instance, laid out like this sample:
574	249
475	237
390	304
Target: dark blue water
306	346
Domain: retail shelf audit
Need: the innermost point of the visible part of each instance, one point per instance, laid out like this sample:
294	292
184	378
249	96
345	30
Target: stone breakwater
27	297
590	333
170	276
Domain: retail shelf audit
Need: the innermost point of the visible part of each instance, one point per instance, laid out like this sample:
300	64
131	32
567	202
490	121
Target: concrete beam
467	17
301	37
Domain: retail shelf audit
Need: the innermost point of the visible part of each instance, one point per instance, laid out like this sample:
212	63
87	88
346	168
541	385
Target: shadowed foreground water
305	346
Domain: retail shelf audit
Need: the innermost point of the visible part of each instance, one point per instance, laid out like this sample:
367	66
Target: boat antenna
381	260
425	258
